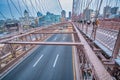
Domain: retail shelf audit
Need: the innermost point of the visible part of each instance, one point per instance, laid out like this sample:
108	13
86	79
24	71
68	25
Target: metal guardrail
106	37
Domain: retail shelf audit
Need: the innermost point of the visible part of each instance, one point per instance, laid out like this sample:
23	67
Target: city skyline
17	7
52	7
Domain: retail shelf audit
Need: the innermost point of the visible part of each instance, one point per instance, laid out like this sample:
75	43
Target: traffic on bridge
60	40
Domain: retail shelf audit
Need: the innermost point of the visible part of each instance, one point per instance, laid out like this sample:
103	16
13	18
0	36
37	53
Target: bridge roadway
46	63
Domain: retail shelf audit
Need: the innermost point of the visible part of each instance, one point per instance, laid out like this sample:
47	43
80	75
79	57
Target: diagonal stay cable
19	7
33	6
10	9
25	3
3	15
16	8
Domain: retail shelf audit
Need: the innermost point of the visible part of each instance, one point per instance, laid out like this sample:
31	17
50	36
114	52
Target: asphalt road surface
46	62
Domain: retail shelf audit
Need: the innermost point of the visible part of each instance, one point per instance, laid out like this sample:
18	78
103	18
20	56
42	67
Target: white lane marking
63	38
55	60
38	60
55	38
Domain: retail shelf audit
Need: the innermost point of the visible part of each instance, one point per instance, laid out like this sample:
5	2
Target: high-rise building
87	14
114	10
70	15
26	20
63	14
39	14
49	18
26	14
107	11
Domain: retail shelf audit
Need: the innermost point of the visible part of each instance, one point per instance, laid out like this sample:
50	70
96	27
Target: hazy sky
40	5
66	5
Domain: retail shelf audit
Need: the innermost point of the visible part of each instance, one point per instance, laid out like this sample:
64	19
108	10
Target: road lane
58	72
55	60
43	65
38	60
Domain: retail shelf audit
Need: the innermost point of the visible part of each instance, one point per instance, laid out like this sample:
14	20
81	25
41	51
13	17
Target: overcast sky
66	5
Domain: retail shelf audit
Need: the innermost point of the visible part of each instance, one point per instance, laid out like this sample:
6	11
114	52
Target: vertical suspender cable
97	5
99	9
79	7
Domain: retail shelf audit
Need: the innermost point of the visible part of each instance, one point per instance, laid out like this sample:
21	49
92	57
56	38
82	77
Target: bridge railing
90	66
11	52
113	24
104	36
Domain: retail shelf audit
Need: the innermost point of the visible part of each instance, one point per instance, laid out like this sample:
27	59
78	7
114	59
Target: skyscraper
114	10
63	14
87	14
26	14
70	15
107	11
